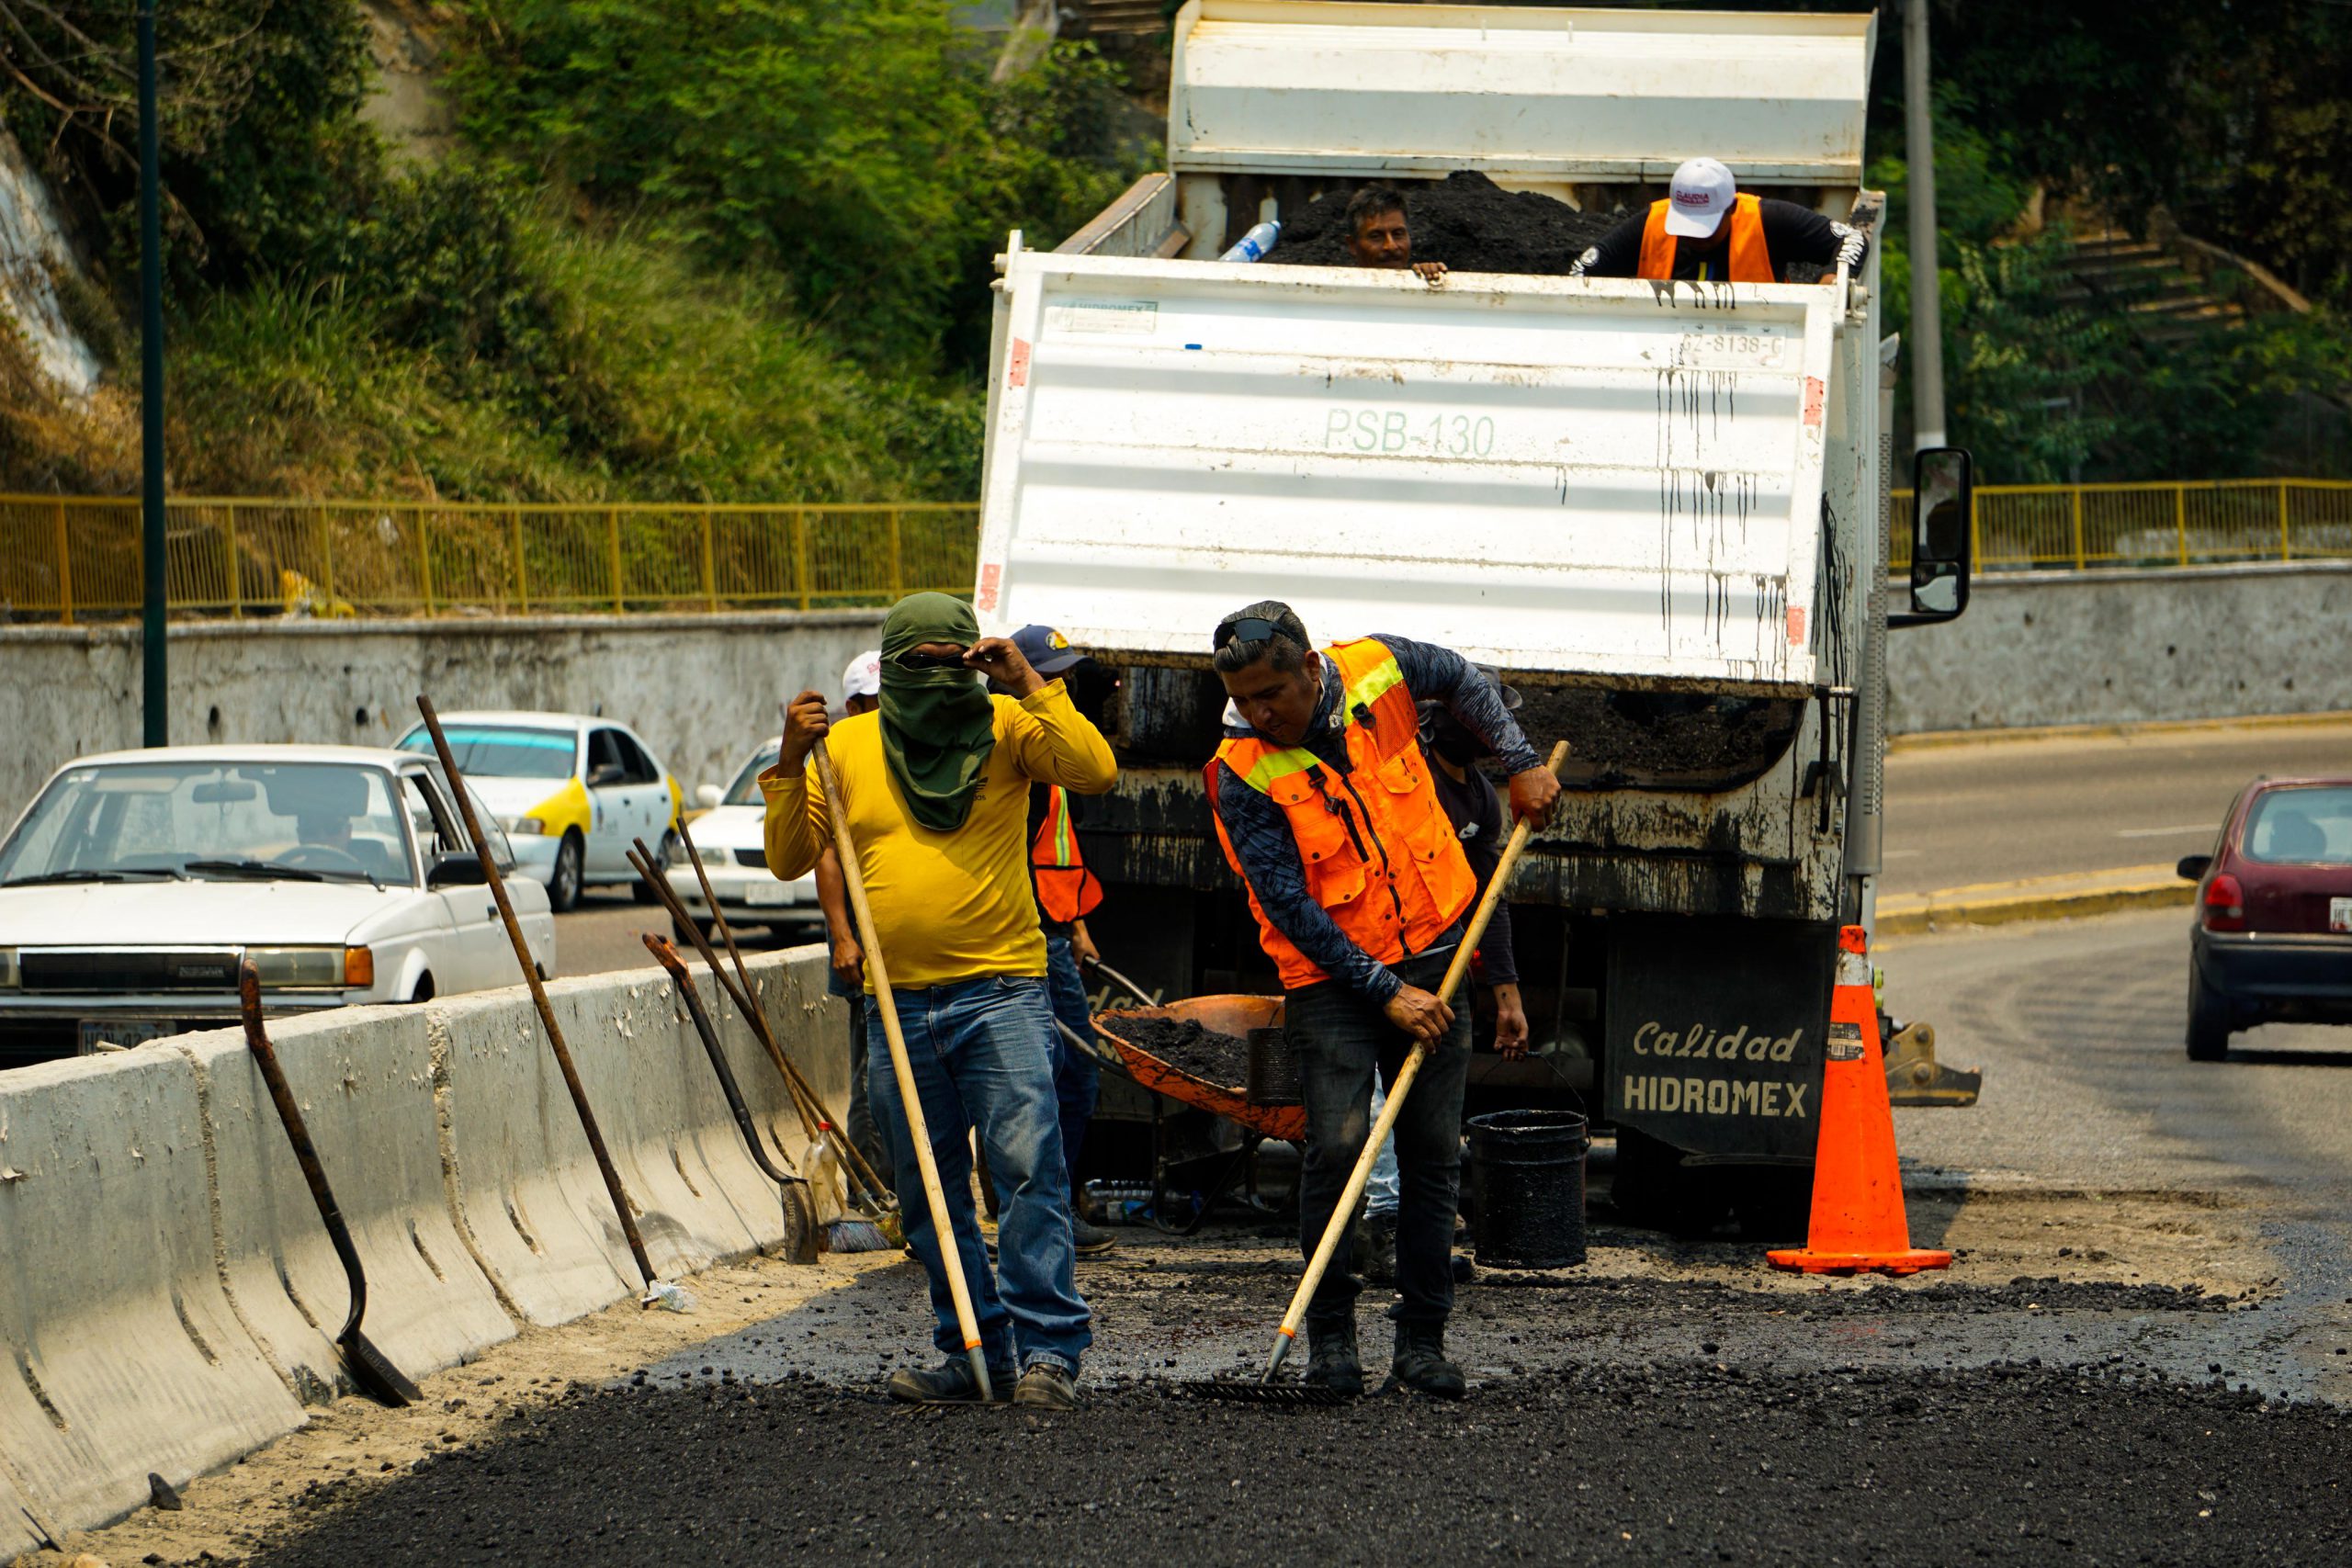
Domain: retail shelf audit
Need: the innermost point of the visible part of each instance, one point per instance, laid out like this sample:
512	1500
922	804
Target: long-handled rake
1265	1390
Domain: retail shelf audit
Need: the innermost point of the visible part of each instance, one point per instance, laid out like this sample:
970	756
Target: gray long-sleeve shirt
1261	836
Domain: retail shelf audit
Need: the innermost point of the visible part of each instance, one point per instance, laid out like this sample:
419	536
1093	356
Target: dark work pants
1338	1038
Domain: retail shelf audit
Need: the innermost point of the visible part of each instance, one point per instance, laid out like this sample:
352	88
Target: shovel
1266	1390
910	1100
369	1367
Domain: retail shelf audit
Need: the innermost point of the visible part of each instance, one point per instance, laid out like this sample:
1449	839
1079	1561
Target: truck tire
2209	1021
1772	1202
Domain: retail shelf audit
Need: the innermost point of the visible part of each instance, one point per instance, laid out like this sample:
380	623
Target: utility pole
1926	304
155	679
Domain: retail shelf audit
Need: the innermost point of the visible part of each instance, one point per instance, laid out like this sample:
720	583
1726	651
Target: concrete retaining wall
170	1296
701	689
2119	646
2034	648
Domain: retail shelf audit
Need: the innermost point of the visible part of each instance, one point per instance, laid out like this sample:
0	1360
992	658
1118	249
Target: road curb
1919	914
1944	740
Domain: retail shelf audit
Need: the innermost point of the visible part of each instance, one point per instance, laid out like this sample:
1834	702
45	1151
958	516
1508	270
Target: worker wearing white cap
1705	230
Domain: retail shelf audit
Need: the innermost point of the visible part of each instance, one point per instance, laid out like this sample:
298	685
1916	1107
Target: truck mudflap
1714	1036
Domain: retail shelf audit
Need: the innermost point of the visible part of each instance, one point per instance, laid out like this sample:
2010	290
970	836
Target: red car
2273	940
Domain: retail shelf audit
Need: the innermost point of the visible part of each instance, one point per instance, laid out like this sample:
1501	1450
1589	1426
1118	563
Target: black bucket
1272	1077
1527	1168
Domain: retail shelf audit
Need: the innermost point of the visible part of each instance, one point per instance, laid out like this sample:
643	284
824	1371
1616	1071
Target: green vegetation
2229	120
716	250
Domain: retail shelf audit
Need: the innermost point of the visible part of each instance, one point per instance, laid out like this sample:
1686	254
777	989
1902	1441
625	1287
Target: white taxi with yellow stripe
572	792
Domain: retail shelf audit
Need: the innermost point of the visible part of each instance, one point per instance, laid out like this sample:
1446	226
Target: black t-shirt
1476	813
1791	234
1040	798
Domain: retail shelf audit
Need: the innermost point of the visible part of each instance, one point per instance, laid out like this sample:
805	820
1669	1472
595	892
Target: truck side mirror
1941	480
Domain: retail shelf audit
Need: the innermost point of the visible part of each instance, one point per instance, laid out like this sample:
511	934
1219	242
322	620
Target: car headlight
314	968
10	980
535	825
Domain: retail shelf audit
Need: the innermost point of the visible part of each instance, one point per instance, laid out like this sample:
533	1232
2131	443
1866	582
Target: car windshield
227	821
2301	827
746	790
502	750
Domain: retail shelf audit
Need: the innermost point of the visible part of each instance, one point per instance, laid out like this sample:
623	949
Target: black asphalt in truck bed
1680	1464
1466	220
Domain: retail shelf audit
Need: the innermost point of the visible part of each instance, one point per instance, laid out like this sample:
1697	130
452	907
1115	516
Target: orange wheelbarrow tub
1236	1015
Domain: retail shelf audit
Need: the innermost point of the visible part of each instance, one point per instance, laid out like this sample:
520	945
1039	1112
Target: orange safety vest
1379	852
1750	262
1066	891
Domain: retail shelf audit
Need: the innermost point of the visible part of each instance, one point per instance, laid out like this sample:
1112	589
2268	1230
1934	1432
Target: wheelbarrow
1235	1015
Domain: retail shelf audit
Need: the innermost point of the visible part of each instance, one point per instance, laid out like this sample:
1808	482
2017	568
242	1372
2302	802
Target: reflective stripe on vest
1066	891
1751	262
1379	853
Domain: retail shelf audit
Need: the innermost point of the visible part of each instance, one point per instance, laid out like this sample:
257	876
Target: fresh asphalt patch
1684	1463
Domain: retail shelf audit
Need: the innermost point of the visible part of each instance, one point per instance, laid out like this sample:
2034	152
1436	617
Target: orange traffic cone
1857	1221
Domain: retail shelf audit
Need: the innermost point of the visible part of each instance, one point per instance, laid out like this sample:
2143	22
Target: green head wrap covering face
938	726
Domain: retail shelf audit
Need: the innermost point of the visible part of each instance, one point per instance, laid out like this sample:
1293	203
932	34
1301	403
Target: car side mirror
2192	868
708	796
603	774
455	871
1942	482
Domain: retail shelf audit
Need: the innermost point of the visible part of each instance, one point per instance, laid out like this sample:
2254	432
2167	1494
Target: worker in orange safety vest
1066	893
1325	806
1705	230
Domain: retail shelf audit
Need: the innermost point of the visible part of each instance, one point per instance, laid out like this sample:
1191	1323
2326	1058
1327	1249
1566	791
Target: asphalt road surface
2002	810
605	932
2139	1356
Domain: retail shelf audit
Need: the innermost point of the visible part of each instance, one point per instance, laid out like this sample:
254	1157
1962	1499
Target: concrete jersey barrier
125	1354
171	1293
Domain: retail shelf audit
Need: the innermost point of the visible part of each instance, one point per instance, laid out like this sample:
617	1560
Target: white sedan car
730	838
136	881
572	793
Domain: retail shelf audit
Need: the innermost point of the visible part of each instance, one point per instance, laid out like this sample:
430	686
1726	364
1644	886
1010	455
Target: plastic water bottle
825	1176
1255	244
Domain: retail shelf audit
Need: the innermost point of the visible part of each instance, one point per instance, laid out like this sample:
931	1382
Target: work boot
1420	1361
950	1382
1378	1248
1045	1386
1090	1241
1331	1360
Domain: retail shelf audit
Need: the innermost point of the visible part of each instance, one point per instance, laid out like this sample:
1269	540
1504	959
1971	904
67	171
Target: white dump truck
1661	510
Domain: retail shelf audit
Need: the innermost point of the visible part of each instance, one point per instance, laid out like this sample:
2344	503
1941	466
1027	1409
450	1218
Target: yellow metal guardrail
2024	528
69	557
76	558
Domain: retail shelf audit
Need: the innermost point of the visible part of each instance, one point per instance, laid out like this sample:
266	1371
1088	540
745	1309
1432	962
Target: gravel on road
1686	1462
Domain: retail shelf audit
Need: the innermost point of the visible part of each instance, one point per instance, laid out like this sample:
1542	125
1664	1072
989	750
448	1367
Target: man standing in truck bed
1325	808
1705	230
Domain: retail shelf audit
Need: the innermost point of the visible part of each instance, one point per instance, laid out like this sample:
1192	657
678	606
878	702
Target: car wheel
641	890
563	886
2209	1021
424	991
684	932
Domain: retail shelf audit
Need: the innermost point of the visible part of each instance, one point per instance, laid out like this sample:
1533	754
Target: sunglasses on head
1248	628
911	659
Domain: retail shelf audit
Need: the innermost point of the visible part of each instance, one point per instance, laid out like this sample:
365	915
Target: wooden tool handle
1286	1336
950	1257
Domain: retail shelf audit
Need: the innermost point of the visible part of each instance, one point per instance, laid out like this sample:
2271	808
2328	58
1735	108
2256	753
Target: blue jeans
981	1053
1078	1082
1385	1190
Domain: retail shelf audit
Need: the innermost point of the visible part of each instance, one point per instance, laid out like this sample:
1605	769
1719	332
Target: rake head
1246	1391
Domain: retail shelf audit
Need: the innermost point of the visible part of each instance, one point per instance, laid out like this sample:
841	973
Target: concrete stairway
2167	301
1099	18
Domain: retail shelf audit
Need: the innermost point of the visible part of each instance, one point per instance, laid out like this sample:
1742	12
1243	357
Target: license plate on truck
2339	914
119	1032
765	895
